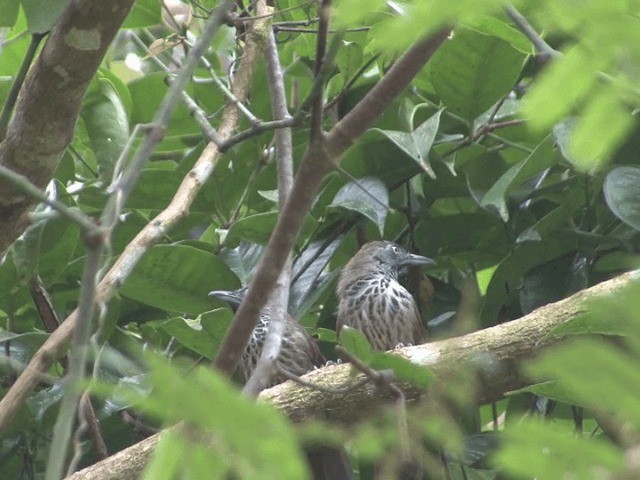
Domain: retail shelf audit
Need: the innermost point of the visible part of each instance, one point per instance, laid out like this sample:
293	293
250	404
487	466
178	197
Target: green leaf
403	369
622	194
603	124
552	453
107	125
496	198
497	28
145	13
611	314
550	222
42	15
601	375
508	276
561	86
202	335
472	71
355	343
349	59
177	278
9	12
553	281
258	228
243	259
368	196
252	440
418	143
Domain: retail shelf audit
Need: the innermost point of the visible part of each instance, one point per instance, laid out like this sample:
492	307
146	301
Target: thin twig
76	216
268	361
525	27
382	378
347	388
319	66
78	358
318	161
125	183
257	129
201	118
54	345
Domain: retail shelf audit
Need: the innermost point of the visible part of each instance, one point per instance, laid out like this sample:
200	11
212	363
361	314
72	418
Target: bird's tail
329	463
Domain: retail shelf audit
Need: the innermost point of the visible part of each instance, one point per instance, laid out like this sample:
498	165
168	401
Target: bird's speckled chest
383	310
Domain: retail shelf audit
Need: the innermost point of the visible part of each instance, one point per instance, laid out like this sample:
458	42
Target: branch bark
48	105
153	232
495	354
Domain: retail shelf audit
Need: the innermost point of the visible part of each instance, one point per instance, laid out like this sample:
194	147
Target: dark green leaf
9	12
622	193
258	228
243	259
473	71
356	344
368	196
553	281
418	143
145	13
42	15
193	334
496	198
177	278
403	369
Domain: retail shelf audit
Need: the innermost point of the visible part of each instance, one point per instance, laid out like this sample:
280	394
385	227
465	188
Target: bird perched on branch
372	300
299	354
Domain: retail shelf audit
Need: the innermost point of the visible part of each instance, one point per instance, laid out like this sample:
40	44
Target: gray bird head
232	297
386	257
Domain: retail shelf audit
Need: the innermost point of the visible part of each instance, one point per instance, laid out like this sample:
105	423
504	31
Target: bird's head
386	256
232	297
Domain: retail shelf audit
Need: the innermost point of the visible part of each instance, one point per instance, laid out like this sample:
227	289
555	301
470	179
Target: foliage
526	213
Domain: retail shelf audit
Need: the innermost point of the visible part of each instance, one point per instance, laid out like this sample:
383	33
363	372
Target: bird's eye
394	248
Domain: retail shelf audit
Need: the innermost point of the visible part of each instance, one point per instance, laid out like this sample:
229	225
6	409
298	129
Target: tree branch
495	354
153	232
266	365
317	162
40	131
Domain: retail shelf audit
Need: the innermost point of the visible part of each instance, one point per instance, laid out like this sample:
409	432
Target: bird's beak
232	298
412	259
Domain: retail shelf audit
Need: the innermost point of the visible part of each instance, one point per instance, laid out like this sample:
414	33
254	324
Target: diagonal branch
153	232
317	162
40	130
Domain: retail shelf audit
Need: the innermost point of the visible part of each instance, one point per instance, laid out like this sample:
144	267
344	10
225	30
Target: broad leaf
473	71
367	196
622	193
177	278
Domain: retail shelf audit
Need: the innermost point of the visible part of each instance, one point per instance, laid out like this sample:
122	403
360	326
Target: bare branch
39	131
284	156
525	27
317	162
55	345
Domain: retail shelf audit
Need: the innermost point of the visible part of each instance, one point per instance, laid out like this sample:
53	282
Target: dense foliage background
510	160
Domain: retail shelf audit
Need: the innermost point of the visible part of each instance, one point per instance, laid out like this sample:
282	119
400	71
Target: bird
371	299
299	354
